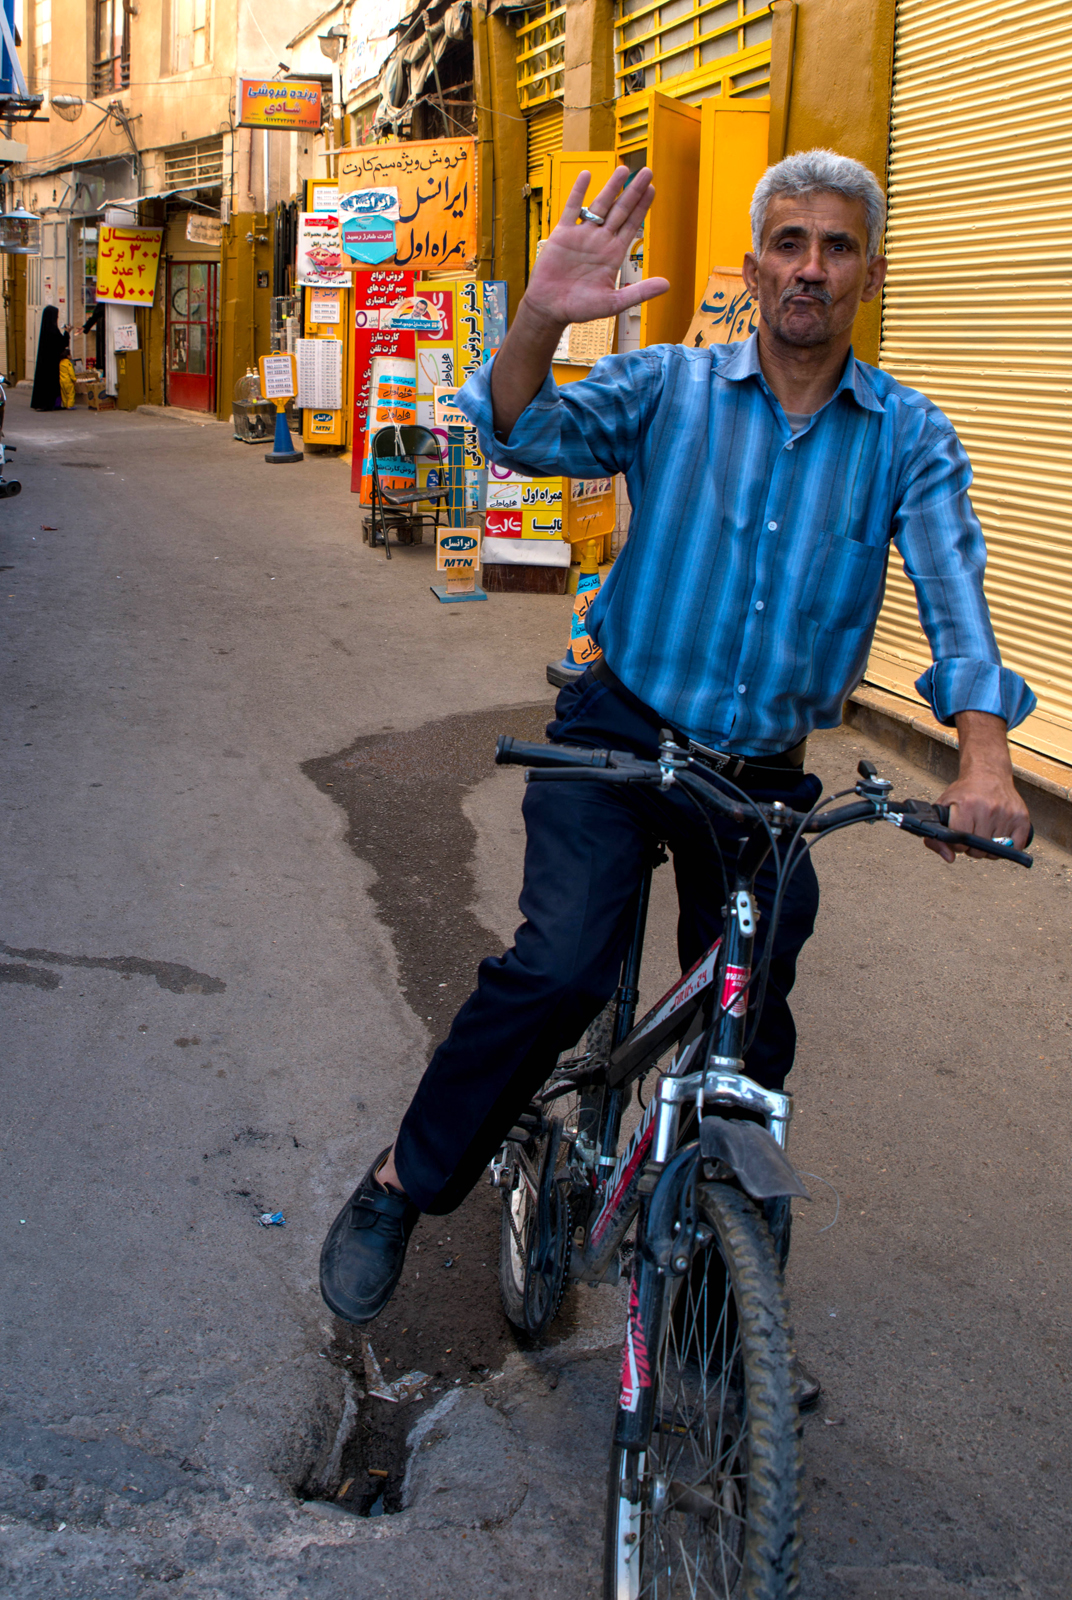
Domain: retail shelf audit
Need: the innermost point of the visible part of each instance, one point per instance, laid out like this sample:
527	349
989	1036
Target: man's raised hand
575	275
574	280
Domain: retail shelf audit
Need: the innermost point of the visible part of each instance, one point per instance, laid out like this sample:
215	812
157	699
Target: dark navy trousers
587	845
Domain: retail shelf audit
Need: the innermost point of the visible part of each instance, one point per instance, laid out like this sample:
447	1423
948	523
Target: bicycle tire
712	1507
533	1262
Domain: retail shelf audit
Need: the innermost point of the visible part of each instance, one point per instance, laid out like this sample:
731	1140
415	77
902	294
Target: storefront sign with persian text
204	230
271	103
436	230
127	259
319	257
727	314
367	220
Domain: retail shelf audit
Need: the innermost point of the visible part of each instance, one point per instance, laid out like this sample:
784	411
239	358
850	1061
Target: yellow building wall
831	82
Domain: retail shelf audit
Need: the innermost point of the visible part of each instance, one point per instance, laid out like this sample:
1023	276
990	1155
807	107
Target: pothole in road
364	1473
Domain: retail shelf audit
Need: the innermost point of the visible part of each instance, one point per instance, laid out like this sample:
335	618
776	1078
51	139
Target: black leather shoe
365	1248
806	1387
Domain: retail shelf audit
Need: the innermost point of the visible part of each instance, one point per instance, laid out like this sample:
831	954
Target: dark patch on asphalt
47	1470
171	975
402	794
19	972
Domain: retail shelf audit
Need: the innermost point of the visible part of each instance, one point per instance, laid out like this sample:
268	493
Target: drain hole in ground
373	1464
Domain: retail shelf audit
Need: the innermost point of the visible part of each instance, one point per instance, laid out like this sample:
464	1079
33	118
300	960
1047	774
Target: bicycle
706	1458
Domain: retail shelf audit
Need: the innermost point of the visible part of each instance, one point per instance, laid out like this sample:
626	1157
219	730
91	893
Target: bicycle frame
707	1071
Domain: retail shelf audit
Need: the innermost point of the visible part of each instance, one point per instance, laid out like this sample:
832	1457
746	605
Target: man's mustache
804	291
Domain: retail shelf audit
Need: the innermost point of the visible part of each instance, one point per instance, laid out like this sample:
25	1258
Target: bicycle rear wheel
534	1237
710	1510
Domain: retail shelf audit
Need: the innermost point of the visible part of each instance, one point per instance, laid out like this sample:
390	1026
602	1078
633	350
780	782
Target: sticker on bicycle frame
624	1171
733	986
691	983
636	1369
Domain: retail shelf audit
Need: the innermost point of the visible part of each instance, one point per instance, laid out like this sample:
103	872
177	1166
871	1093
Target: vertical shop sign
319	258
372	292
436	229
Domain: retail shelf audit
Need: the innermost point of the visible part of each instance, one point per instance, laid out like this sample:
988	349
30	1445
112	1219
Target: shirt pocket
843	582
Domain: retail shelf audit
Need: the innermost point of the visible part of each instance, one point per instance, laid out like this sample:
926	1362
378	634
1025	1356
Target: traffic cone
282	446
582	649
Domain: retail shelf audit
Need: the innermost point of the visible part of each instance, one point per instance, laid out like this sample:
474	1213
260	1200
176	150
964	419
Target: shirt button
741	688
772	526
759	605
789	446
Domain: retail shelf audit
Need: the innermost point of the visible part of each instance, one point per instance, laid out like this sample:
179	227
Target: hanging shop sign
367	219
204	230
436	227
319	258
270	103
727	314
127	259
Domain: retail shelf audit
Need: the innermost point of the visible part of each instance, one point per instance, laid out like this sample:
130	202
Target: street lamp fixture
333	43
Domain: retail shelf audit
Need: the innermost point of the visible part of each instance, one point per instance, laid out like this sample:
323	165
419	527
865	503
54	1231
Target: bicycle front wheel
710	1509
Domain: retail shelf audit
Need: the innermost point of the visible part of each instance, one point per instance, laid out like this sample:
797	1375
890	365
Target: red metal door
191	334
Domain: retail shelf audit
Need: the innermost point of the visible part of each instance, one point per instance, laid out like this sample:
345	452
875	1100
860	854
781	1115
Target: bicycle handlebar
563	763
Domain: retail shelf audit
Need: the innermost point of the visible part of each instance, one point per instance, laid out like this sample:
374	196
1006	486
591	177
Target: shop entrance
192	308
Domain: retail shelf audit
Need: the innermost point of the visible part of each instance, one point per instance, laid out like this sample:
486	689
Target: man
767	480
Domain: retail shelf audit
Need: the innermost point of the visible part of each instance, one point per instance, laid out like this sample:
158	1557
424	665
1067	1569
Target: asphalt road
253	847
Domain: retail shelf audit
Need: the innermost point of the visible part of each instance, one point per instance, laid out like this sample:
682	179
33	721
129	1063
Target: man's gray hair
822	172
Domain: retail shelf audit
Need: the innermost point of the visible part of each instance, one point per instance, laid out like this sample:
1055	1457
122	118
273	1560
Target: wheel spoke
689	1511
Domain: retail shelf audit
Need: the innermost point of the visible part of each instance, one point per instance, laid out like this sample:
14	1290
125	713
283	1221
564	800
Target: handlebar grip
511	752
926	821
570	775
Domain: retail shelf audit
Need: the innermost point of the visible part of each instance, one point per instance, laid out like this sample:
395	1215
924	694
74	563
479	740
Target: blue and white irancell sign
367	220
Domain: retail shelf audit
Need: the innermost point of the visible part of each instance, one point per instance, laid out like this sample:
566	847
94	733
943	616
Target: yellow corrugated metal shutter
978	314
544	138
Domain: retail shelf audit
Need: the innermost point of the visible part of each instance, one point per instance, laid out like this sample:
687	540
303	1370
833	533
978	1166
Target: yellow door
733	158
566	167
670	229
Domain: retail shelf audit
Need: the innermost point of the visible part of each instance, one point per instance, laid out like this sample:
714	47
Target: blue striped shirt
743	605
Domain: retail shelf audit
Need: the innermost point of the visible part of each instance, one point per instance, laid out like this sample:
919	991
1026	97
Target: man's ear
876	277
750	272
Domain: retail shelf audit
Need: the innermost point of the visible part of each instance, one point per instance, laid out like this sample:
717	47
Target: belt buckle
721	760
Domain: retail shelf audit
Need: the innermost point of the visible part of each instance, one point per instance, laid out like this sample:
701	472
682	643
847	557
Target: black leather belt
739	769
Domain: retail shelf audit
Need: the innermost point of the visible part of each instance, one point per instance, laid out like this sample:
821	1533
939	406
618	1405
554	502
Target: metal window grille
194	166
541	54
111	46
692	48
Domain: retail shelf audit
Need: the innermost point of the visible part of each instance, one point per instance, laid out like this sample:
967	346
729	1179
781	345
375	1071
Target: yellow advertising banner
436	179
271	103
127	259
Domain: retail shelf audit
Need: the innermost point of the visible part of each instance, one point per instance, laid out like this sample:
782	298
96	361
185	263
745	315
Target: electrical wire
59	155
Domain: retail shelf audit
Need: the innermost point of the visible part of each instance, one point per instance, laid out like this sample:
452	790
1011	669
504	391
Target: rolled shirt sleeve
939	537
587	429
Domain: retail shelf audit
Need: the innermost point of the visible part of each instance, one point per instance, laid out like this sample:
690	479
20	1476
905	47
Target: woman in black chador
52	345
